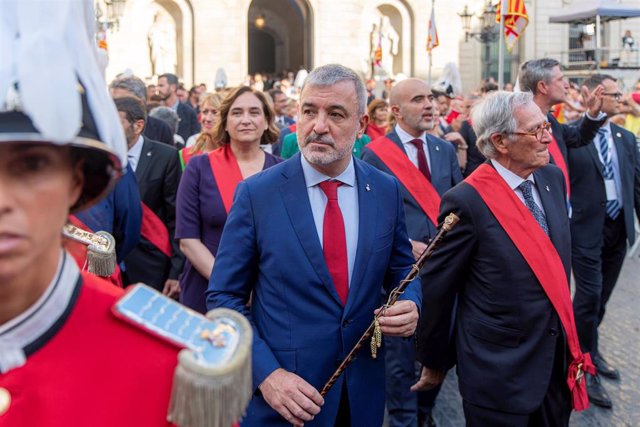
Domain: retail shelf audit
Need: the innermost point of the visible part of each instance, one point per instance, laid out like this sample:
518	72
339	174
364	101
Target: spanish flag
432	38
515	21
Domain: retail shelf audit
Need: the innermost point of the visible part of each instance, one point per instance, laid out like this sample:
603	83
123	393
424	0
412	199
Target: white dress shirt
133	156
412	151
347	200
514	181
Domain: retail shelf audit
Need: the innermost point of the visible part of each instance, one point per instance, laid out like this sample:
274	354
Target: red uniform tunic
96	370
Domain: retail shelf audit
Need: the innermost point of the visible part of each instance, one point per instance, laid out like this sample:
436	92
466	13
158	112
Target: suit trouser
596	272
405	407
554	411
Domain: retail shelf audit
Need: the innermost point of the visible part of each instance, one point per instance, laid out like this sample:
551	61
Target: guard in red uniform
73	350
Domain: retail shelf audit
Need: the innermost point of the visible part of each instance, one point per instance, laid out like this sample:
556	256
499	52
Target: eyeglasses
616	95
537	132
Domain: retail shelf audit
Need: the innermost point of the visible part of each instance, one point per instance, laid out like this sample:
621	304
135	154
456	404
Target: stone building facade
194	38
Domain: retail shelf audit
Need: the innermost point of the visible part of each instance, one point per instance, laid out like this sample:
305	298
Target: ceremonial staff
373	331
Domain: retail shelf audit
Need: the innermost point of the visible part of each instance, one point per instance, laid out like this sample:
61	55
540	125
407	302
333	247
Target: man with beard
426	167
312	242
167	90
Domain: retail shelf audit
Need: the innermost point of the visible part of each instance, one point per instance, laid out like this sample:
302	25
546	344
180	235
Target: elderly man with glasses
507	264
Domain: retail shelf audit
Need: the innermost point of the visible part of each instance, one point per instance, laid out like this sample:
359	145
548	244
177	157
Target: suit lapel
296	200
367	219
549	203
435	151
144	162
620	151
593	151
393	136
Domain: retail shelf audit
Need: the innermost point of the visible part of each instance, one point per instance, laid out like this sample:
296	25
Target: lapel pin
149	154
437	148
618	134
546	187
366	187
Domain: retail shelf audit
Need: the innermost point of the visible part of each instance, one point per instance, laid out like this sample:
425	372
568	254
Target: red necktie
334	241
423	166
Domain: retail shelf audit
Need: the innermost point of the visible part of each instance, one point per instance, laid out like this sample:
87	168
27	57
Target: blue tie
613	206
527	192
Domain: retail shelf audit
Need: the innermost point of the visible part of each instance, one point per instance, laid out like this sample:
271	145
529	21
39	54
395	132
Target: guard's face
246	121
611	99
328	125
38	185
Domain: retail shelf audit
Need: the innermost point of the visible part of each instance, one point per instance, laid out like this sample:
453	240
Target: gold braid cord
373	331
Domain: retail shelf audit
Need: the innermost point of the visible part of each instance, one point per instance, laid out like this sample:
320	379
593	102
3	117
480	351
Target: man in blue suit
400	153
316	240
605	183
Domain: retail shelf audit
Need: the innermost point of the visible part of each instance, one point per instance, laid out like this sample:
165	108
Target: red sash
79	252
226	173
409	175
155	231
558	159
538	251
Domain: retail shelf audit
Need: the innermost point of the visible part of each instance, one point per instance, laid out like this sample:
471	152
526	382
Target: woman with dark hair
246	120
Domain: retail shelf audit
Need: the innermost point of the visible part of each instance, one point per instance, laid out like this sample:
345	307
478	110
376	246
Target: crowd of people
302	203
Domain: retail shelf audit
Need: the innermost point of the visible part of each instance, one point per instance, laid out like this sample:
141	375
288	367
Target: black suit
474	156
570	136
158	175
510	349
188	121
600	243
157	130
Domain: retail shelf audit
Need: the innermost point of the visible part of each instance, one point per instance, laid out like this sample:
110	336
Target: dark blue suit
599	243
404	406
270	247
508	339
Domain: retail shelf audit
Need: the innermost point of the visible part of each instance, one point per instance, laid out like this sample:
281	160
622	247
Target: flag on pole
515	21
432	38
377	54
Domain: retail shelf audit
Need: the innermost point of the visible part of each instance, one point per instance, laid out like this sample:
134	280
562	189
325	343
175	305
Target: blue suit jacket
506	329
445	173
270	247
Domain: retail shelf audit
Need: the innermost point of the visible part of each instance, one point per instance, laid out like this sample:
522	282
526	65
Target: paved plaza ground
620	344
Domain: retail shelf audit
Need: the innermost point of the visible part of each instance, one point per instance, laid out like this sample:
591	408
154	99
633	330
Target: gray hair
131	84
495	115
534	71
330	74
167	115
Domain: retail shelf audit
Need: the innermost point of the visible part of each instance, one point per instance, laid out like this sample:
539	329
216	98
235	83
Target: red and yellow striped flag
515	21
432	38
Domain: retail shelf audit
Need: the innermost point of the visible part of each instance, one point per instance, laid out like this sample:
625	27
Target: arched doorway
280	36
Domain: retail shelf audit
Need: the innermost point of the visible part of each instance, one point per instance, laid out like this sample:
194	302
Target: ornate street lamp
488	31
115	10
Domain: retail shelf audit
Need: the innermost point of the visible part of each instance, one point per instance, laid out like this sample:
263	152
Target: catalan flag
432	38
377	54
515	21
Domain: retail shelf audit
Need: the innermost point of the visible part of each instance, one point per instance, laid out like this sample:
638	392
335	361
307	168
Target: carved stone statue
384	35
162	45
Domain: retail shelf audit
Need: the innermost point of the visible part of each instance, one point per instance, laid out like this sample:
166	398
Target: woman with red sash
208	183
203	142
